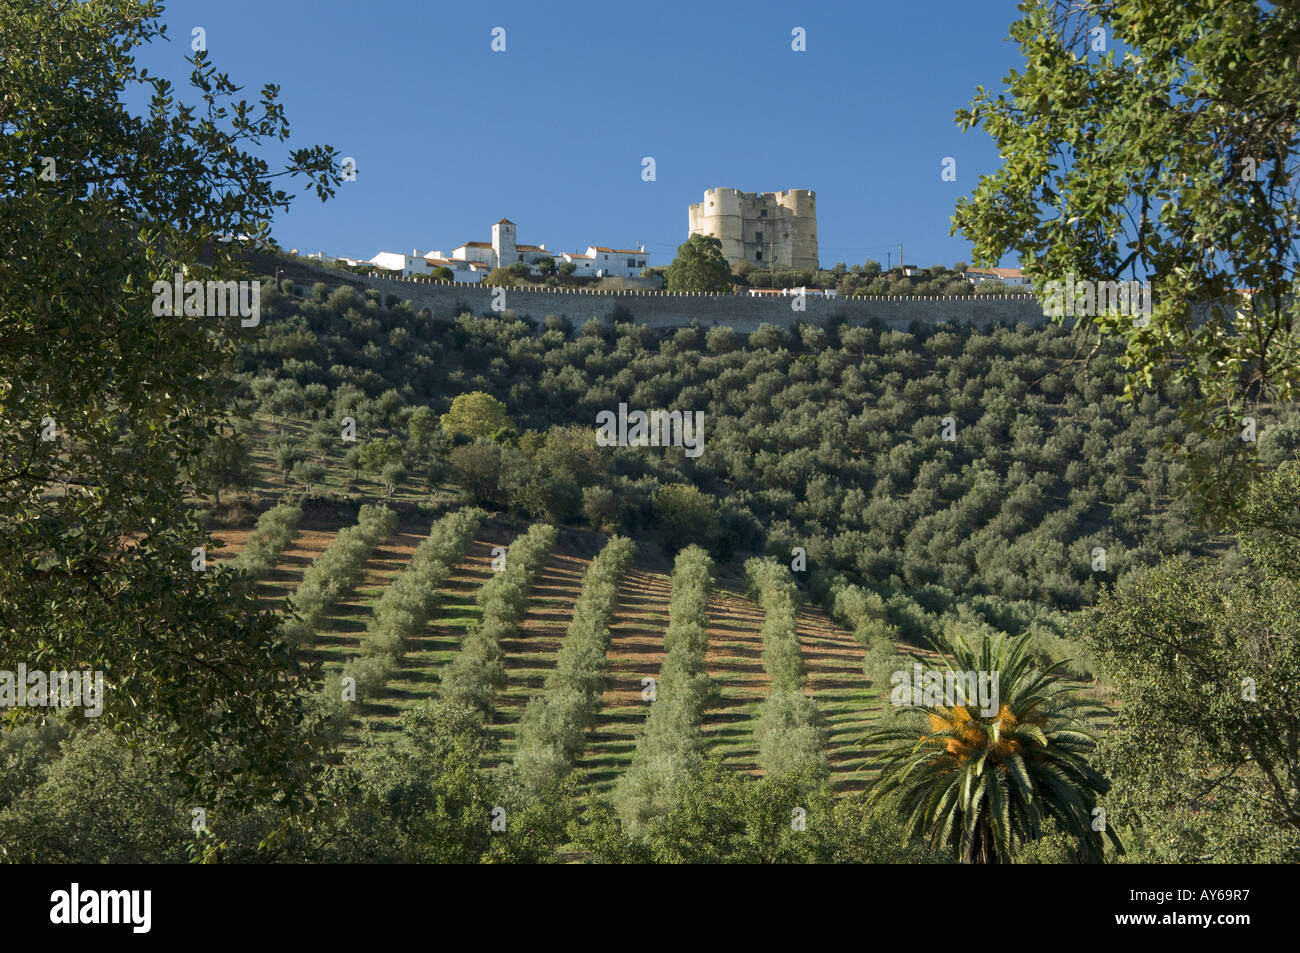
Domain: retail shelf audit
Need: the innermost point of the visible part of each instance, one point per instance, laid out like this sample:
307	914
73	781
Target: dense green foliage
1205	664
475	415
722	817
416	798
110	181
1169	157
423	799
699	266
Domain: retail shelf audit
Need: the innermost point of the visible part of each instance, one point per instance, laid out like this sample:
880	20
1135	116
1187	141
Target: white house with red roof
505	250
617	262
1008	276
583	264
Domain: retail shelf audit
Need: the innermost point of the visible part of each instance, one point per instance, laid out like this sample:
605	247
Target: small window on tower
763	213
758	236
758	256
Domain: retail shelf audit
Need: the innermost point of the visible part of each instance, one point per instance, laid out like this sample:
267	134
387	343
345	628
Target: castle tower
504	251
721	216
800	220
766	229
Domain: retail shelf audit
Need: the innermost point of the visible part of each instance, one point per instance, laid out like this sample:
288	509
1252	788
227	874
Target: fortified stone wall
669	310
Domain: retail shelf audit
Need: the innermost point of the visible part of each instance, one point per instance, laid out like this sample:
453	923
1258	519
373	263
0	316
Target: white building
1008	276
470	261
786	292
481	252
461	270
584	265
504	250
617	262
412	264
323	258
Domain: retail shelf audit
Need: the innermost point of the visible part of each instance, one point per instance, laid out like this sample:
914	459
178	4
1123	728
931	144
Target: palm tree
982	783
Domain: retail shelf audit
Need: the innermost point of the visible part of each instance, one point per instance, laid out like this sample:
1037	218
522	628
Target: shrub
791	736
393	476
275	529
477	468
767	336
475	414
308	473
683	515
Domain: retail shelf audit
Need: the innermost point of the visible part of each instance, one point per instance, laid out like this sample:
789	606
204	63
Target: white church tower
503	243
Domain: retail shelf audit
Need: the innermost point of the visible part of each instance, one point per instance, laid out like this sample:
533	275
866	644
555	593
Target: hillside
835	660
940	466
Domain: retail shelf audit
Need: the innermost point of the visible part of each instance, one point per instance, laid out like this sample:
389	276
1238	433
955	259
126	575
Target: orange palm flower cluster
971	735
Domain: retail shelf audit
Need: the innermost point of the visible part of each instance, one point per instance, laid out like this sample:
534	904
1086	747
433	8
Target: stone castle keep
766	229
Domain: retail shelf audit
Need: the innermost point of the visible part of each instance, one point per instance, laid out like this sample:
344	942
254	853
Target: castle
766	229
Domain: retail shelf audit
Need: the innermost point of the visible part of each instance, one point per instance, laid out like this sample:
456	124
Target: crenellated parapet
664	309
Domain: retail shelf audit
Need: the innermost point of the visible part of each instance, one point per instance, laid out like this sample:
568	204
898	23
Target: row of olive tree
554	726
336	572
409	600
670	746
790	731
275	529
477	672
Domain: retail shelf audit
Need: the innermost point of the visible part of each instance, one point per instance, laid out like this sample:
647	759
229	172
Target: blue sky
449	136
